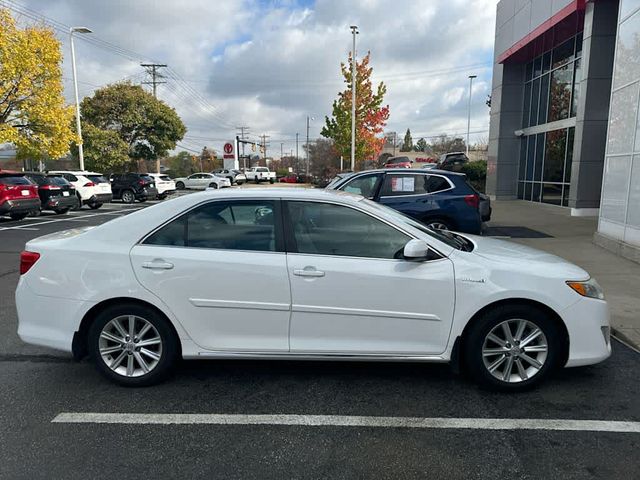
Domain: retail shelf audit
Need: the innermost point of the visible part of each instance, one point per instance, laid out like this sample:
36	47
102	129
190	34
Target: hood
525	259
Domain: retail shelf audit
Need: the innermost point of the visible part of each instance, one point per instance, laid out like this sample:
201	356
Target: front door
352	293
221	269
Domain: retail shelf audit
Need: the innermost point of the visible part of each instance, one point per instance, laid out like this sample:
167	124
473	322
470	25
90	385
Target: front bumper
62	202
99	198
587	322
20	205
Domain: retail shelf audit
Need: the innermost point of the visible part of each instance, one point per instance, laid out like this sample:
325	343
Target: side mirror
416	250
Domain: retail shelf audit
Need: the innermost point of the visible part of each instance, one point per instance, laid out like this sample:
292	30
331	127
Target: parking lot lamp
471	77
73	30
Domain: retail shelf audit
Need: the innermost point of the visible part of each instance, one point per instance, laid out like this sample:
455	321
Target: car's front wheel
213	185
95	206
512	347
128	196
132	345
180	185
438	224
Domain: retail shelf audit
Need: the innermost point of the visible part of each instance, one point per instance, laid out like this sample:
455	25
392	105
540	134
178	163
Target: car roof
430	171
75	172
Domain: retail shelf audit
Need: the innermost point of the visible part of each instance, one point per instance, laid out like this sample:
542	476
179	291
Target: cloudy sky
270	64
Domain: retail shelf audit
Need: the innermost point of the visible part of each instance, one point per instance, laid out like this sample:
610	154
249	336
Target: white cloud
270	64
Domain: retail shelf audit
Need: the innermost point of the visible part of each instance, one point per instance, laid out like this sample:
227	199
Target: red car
291	178
18	195
398	162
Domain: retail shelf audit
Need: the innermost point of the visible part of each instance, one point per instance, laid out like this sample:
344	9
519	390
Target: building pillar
600	23
506	118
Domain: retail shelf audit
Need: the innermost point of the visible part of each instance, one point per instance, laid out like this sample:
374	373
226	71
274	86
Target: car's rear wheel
512	347
18	216
95	206
132	345
213	185
272	181
438	224
128	196
61	211
180	186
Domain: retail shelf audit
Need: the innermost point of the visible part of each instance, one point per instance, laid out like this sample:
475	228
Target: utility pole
354	31
471	77
152	69
265	144
297	157
281	150
73	30
242	131
308	156
395	141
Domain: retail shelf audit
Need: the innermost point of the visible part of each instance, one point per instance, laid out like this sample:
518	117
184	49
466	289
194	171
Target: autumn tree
33	116
407	144
148	126
371	115
324	161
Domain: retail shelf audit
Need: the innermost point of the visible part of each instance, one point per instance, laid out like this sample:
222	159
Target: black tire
128	196
61	211
95	206
180	186
168	355
35	213
213	185
474	341
272	181
257	181
18	216
79	204
162	196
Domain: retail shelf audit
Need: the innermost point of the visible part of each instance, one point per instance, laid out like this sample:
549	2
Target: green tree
33	116
181	164
148	126
371	115
104	150
421	145
407	145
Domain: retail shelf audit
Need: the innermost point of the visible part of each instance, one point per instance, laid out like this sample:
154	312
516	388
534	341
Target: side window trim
279	232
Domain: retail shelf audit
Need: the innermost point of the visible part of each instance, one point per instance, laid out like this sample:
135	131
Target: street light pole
471	77
75	88
354	31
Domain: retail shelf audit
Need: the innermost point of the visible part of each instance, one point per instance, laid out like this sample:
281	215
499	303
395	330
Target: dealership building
565	128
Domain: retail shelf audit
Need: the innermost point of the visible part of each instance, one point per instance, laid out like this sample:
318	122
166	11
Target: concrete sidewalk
571	238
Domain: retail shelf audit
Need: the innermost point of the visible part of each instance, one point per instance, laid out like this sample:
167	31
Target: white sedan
202	181
304	274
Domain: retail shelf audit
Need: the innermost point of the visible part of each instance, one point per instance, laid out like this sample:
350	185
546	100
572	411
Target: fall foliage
33	116
371	116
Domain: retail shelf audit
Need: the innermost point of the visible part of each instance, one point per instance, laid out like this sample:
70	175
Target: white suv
164	184
92	188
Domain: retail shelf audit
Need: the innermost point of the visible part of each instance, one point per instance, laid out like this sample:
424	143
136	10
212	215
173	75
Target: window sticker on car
403	184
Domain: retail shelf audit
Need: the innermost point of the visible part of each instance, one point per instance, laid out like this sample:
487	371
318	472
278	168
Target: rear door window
57	180
436	183
97	178
404	184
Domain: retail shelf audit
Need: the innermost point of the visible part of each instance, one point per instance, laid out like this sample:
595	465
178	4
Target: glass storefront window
555	151
544	94
575	97
560	93
527	104
546	62
535	99
552	193
627	66
569	158
563	53
537	173
621	120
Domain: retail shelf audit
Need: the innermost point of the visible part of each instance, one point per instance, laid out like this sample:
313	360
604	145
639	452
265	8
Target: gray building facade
564	126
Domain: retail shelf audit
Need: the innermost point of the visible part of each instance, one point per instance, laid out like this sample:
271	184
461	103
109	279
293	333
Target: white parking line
351	421
118	212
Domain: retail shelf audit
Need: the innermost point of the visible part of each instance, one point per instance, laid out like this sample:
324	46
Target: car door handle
157	265
308	272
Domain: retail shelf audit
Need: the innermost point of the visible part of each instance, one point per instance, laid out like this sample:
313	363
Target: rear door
222	270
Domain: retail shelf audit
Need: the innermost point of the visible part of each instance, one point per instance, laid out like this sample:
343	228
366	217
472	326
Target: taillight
89	184
140	182
472	200
49	187
28	260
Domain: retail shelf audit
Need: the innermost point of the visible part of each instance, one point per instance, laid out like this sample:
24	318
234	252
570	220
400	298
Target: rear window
57	180
166	178
14	180
263	169
147	178
97	178
395	160
38	179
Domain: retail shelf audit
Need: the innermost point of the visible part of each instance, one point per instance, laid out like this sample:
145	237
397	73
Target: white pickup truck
260	174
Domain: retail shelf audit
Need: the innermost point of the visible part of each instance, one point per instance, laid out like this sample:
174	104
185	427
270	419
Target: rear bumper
62	202
587	322
147	194
20	205
99	198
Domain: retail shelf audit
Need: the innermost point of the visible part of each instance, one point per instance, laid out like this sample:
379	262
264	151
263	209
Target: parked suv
165	185
130	187
18	195
398	162
55	192
92	188
234	176
452	162
441	200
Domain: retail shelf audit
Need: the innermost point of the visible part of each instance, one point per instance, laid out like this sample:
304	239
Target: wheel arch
79	343
458	350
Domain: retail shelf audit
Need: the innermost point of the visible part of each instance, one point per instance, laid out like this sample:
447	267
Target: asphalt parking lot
246	419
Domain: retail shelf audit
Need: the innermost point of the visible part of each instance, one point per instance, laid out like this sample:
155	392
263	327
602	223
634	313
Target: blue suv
439	199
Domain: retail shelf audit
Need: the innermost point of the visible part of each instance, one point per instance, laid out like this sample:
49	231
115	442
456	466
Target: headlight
588	288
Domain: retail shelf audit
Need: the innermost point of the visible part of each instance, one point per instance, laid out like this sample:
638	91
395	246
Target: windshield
338	178
14	180
452	239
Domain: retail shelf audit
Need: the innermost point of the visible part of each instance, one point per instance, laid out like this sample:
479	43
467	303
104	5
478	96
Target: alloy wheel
438	226
515	350
128	197
130	346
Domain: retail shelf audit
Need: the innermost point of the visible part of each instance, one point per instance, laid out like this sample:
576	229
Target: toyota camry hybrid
304	274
